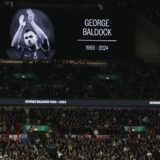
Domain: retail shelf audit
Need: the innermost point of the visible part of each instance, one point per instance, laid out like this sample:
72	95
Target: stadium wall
147	39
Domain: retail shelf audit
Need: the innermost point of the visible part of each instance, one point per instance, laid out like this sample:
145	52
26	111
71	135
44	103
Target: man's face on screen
30	39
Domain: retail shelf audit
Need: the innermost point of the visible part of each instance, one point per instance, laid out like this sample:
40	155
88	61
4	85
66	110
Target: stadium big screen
32	33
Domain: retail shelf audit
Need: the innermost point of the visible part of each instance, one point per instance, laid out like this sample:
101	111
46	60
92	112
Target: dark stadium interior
79	80
95	94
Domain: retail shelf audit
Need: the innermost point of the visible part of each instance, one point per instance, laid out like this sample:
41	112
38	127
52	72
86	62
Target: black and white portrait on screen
32	36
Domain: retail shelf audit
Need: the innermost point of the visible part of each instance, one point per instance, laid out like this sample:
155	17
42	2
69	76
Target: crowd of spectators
78	149
112	80
74	133
83	133
80	121
14	150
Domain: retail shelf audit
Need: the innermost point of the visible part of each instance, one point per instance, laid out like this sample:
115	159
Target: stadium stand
112	80
81	132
